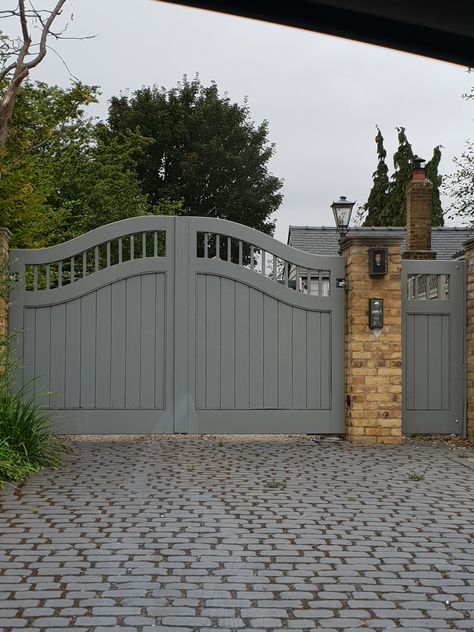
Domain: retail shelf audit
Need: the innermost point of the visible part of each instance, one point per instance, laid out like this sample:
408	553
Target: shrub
13	467
26	430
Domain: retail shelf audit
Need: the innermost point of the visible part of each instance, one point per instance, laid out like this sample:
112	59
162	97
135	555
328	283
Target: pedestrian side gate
433	295
181	324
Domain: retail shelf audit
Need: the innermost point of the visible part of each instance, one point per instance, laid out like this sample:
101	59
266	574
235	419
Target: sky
322	96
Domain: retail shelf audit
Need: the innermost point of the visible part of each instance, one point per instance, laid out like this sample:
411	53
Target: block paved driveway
190	534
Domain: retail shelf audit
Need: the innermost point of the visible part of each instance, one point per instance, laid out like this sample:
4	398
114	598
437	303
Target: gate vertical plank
88	342
242	350
408	351
285	356
446	363
227	310
132	343
161	343
118	344
29	344
58	352
213	342
326	359
73	354
420	361
201	343
270	352
313	351
435	366
43	353
103	349
147	341
299	358
256	349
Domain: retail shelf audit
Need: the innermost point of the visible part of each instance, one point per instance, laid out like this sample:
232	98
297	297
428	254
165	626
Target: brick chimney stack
418	214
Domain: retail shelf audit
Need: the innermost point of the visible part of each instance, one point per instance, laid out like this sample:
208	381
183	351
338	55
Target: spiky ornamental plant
378	196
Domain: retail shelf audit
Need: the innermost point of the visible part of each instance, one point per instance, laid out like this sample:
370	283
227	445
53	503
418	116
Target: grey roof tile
446	241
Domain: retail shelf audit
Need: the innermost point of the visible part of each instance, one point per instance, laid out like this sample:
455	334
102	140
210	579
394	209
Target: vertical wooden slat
132	342
218	246
299	358
118	333
29	345
227	343
88	349
320	283
409	353
60	273
201	342
108	254
421	361
206	245
143	245
84	264
58	355
264	263
242	346
270	352
213	340
313	354
229	250
42	353
120	250
161	341
73	354
325	359
285	273
256	349
35	278
132	247
285	356
73	271
103	348
155	243
252	257
434	364
48	276
147	341
240	252
447	376
274	268
96	259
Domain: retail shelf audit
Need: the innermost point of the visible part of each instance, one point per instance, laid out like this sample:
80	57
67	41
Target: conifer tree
431	170
403	162
378	196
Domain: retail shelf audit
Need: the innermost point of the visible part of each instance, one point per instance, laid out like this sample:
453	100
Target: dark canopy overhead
442	30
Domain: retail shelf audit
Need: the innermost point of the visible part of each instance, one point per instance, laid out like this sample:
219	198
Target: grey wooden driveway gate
174	324
434	346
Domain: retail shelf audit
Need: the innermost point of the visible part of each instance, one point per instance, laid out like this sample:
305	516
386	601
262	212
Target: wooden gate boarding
181	324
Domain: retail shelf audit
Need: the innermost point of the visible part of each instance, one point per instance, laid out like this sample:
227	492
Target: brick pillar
469	253
418	215
373	358
4	258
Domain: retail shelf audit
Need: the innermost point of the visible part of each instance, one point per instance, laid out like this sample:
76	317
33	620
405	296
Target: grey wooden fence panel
270	352
29	343
118	336
88	343
132	351
148	341
330	389
103	356
256	349
285	356
313	346
201	341
436	368
73	354
213	340
299	358
58	351
43	353
447	363
162	349
227	346
242	349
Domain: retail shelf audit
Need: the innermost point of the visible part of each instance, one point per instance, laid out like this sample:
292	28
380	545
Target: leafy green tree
204	150
386	205
378	197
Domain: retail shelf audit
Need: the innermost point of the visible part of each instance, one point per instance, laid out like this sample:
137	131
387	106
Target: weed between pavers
274	484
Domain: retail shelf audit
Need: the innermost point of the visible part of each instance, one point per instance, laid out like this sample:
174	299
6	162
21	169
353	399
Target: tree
61	173
204	150
378	197
17	58
460	184
386	205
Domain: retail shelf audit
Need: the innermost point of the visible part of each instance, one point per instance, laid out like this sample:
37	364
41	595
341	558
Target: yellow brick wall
469	250
373	360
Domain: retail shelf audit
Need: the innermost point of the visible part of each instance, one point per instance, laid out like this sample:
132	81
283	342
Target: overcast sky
322	96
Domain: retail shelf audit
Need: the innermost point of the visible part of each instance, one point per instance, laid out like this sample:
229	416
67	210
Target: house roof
447	241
